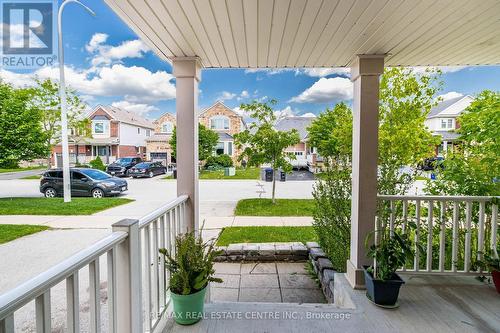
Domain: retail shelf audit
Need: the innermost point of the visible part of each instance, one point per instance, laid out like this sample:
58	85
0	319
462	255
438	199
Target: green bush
332	215
97	164
218	162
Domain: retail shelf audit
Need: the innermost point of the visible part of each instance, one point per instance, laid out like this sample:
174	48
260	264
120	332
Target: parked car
148	169
122	166
431	164
84	182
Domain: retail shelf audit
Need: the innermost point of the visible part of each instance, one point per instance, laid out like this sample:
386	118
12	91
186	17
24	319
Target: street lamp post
62	95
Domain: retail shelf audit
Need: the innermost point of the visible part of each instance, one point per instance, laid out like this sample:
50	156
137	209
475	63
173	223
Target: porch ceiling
317	33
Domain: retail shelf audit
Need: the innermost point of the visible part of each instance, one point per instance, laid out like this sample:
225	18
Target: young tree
331	134
406	98
207	140
46	98
262	143
22	137
473	167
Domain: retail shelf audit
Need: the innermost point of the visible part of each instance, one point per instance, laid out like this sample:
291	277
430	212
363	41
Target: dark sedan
148	169
122	166
84	183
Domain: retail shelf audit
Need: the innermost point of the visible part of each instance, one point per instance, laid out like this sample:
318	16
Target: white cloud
107	54
308	115
136	84
138	108
286	112
226	95
96	41
326	90
322	72
244	94
450	95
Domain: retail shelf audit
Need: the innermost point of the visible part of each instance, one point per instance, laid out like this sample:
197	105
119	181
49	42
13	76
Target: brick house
157	145
115	133
226	123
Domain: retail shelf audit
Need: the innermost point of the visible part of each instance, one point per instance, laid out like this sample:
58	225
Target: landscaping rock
312	245
316	253
283	249
299	249
324	263
326	276
234	249
267	249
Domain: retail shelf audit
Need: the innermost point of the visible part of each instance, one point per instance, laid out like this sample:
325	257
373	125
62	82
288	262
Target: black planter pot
384	293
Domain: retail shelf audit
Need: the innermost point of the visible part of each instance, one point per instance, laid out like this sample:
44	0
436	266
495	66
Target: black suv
84	182
122	166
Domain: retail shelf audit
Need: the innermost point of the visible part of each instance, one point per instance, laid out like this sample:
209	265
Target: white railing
136	278
451	229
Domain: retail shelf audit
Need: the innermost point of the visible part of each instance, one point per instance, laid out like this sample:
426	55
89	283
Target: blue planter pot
384	293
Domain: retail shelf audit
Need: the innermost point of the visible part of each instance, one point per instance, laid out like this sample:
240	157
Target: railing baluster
391	219
430	218
442	236
405	216
454	248
480	233
156	283
73	303
7	324
111	262
147	272
42	312
94	300
468	235
161	267
416	264
494	230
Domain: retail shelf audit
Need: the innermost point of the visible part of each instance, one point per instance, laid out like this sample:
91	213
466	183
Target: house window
148	132
138	130
219	148
167	127
447	123
100	127
230	148
219	123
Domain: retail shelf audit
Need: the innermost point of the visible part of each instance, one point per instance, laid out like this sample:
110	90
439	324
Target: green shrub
97	164
332	215
218	162
191	267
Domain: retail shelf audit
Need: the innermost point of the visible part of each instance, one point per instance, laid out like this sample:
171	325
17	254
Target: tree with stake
262	143
207	140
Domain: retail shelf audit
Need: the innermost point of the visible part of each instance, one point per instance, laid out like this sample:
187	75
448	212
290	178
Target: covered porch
360	35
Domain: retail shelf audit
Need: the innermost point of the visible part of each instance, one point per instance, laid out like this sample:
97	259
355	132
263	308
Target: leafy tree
22	137
262	143
207	140
46	98
406	99
331	134
473	167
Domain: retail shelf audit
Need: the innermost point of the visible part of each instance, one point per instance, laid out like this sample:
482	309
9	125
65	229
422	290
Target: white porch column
365	73
187	71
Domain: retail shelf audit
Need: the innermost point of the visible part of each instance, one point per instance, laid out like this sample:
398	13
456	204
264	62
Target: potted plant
191	270
492	264
382	282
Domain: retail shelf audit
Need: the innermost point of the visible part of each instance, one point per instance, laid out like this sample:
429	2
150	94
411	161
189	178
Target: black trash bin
175	173
282	176
269	174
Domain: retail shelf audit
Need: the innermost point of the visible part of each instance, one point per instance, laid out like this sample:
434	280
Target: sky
108	64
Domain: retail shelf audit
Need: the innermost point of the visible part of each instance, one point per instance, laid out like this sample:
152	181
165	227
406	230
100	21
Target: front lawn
10	232
248	173
231	235
282	207
32	177
56	206
23	169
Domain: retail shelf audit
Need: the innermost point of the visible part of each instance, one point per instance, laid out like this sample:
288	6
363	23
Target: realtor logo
28	33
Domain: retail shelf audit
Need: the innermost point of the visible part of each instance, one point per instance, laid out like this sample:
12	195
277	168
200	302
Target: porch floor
271	282
427	304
